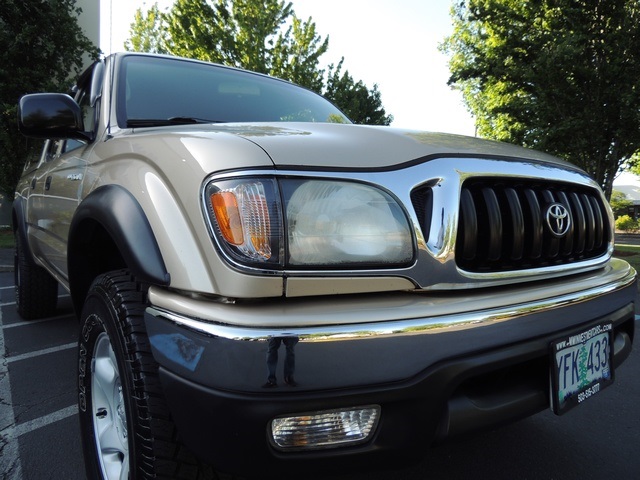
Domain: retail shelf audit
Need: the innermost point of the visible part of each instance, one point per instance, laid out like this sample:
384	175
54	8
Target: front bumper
434	376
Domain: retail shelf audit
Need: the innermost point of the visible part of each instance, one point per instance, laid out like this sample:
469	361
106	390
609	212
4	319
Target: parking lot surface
38	413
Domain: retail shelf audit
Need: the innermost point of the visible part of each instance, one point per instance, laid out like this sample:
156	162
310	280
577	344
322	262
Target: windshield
157	91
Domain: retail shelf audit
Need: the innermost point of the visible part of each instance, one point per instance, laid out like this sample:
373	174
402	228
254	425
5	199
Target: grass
6	238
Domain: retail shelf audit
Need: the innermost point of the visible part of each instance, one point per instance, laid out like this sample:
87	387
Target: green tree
354	98
620	204
41	49
264	36
633	165
147	32
557	75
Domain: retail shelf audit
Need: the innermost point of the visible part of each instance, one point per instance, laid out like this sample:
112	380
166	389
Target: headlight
301	223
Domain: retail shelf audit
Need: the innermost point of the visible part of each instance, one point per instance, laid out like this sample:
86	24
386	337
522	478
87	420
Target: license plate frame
581	366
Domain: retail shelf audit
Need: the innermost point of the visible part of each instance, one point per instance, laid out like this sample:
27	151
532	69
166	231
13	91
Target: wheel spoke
110	441
108	426
104	379
105	372
113	466
124	473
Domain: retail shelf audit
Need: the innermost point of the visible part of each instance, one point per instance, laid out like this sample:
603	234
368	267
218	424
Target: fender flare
119	214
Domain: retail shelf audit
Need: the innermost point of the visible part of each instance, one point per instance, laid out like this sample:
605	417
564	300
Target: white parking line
10	464
38	353
37	423
13	303
24	323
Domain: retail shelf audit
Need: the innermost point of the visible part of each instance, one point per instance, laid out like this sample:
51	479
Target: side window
36	154
53	149
72	144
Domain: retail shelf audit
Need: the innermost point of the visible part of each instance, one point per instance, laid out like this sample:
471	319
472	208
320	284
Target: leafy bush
626	224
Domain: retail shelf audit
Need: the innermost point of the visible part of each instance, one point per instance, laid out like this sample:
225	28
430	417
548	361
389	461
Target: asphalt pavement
6	259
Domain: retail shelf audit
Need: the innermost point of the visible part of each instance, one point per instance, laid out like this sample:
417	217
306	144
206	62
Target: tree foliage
557	75
355	97
41	49
620	204
264	36
147	32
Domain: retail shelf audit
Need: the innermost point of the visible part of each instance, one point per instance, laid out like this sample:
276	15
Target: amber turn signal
225	208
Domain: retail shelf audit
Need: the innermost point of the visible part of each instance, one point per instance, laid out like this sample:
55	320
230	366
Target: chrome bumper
350	342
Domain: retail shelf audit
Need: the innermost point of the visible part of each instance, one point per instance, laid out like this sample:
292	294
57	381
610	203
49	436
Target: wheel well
94	252
110	231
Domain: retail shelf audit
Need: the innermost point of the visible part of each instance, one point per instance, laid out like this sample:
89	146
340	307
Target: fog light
325	429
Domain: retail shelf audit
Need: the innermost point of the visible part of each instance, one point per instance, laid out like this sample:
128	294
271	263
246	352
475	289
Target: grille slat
517	223
535	224
591	222
552	243
599	235
495	219
503	225
470	226
579	221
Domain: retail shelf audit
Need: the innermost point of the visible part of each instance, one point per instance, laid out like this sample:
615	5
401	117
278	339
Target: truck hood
340	146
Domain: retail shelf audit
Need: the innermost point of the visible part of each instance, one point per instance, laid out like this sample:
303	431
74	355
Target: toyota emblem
558	219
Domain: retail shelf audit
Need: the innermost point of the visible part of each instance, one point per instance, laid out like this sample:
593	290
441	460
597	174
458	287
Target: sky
391	43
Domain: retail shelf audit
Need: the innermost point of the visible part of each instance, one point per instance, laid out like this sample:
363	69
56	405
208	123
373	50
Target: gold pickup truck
263	286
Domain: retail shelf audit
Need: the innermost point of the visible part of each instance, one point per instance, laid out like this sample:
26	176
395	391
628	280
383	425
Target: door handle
47	183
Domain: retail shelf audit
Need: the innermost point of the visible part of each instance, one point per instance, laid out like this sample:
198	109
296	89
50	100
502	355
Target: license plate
581	366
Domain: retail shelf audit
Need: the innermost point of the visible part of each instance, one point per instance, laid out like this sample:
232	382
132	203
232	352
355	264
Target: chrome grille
503	225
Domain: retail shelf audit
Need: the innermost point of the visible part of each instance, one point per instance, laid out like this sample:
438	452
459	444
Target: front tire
126	427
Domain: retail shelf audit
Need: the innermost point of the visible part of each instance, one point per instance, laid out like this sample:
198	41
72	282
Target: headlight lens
333	224
342	223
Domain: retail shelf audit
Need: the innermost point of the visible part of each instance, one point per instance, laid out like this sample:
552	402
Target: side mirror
51	115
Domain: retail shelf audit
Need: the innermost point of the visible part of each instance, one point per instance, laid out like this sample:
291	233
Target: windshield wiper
162	122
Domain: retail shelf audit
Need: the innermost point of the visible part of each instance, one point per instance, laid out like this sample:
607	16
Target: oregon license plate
581	366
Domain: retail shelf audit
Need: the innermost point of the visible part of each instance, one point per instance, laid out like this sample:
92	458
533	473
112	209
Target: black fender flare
119	214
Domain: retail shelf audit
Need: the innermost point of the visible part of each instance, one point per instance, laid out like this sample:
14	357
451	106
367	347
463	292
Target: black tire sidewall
99	316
